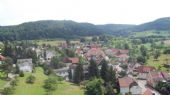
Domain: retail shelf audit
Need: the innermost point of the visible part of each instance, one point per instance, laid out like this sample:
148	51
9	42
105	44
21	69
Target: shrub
21	74
30	79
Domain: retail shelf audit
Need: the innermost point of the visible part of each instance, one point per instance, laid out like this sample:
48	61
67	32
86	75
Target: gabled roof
74	60
156	76
125	81
145	69
122	56
2	58
148	92
166	75
95	51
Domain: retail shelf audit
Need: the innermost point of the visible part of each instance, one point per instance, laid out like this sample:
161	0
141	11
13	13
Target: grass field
159	63
2	80
53	42
64	88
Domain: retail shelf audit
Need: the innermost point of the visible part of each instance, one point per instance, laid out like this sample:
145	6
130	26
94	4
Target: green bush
21	74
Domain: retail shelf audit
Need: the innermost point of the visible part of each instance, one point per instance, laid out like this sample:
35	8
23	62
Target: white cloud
93	11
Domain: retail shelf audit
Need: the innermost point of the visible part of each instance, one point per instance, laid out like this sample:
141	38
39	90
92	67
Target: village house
165	75
154	78
62	72
25	65
72	68
143	71
96	54
49	55
127	85
148	92
121	55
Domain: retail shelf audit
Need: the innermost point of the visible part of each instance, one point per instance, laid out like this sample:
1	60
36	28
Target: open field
2	80
64	88
53	42
152	33
159	62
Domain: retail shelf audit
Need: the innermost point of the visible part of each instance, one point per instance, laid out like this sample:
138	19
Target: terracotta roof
115	50
125	82
145	69
122	56
2	58
148	92
157	76
74	60
166	75
95	51
124	51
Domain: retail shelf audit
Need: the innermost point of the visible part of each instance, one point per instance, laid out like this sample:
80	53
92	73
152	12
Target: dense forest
70	29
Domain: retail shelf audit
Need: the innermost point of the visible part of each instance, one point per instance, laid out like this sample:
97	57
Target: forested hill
71	29
53	29
159	24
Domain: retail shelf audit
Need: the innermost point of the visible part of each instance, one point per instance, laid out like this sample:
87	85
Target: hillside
161	24
70	29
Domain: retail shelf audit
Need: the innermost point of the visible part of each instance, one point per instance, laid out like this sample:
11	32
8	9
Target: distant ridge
70	29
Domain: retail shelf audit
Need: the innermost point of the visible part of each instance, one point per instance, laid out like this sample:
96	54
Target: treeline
48	29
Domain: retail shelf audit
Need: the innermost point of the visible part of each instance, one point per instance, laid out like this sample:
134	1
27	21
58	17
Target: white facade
25	65
26	68
124	90
136	90
142	75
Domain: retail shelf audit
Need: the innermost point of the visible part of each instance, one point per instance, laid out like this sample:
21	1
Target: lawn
64	88
2	80
53	42
161	60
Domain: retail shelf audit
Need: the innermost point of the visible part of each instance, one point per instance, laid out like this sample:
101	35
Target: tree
30	79
50	85
141	59
8	91
93	69
94	39
109	89
104	72
112	76
7	67
143	50
156	54
94	87
126	46
21	74
56	63
79	75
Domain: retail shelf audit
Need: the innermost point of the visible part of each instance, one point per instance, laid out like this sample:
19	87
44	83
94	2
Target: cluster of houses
95	51
148	75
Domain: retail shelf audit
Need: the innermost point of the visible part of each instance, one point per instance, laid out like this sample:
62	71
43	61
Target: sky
14	12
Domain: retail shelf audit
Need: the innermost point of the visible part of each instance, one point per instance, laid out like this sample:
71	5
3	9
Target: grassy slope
2	80
159	62
64	88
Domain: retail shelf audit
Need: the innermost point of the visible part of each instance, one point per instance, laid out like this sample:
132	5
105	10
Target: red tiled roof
148	92
122	56
74	60
115	50
95	51
124	51
157	76
2	58
166	75
145	69
125	82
